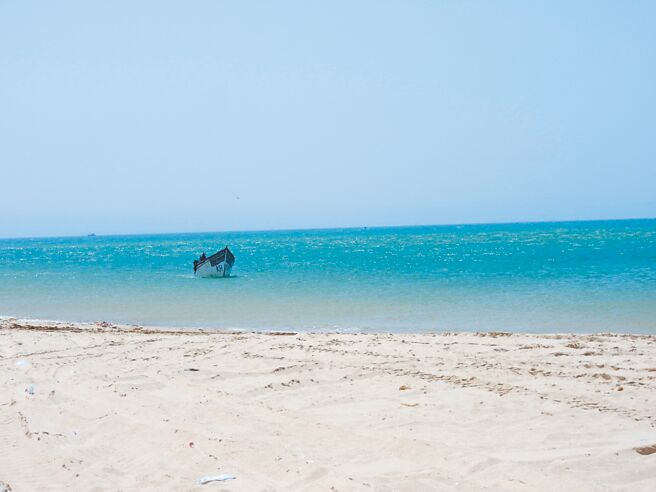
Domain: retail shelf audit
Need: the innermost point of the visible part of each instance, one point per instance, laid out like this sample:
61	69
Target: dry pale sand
133	409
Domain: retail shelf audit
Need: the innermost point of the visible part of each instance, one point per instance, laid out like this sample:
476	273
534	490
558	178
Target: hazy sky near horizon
126	117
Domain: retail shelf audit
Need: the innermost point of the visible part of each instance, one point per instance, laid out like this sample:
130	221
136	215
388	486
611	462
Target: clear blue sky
126	117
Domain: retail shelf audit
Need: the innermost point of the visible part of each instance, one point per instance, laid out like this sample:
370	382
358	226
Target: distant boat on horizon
217	265
93	234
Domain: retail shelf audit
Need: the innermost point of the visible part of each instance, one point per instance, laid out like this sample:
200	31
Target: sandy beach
101	407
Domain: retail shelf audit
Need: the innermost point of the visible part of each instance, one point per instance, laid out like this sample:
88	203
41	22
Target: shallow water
566	276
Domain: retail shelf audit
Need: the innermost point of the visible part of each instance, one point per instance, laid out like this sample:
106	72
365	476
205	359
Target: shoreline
13	322
102	406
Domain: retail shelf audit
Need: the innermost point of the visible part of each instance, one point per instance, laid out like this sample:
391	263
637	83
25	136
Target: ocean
532	277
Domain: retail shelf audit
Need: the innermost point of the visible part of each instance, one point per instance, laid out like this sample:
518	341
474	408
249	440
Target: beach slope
98	407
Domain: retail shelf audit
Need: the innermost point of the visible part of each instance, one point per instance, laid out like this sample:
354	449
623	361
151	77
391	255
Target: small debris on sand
646	450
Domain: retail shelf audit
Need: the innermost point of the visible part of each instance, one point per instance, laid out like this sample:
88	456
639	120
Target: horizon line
448	224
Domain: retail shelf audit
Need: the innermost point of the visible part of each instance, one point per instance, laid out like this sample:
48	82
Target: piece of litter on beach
215	478
29	389
646	450
192	369
404	387
22	364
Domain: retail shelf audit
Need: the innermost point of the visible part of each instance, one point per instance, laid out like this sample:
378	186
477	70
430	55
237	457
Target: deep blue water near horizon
536	277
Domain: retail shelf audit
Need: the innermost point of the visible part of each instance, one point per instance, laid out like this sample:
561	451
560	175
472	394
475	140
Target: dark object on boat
217	265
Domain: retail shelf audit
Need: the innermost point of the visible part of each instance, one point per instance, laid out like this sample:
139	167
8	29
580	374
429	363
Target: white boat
217	265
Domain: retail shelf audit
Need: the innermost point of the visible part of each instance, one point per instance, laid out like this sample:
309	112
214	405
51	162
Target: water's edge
12	322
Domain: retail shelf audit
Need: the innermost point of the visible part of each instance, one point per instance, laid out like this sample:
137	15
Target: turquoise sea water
567	276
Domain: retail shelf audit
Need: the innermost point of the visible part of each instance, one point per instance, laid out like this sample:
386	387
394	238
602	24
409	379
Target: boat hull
220	270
